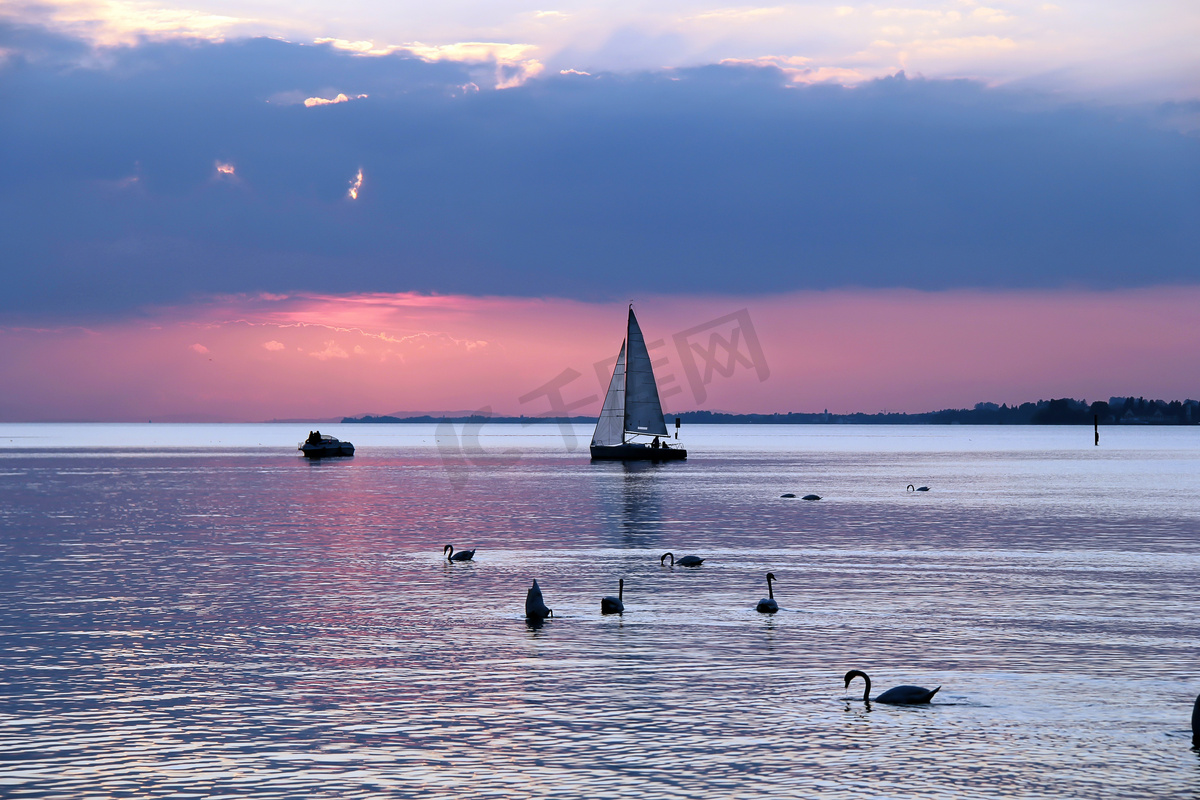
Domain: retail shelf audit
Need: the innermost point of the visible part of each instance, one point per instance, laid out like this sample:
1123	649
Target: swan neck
858	673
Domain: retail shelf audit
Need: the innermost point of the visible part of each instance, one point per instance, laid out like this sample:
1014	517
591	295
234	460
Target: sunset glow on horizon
322	356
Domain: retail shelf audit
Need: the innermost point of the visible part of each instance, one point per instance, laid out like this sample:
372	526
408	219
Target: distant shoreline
1065	411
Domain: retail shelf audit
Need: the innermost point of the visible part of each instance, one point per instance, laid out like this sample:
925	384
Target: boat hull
327	450
637	452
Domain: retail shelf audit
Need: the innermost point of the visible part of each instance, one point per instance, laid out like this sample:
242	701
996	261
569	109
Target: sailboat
632	408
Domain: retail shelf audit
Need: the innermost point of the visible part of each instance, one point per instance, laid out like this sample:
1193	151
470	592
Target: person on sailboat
655	443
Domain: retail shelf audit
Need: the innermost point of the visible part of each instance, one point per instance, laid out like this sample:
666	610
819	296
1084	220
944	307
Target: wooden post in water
1096	422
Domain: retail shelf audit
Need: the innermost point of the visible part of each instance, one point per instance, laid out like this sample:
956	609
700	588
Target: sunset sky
251	210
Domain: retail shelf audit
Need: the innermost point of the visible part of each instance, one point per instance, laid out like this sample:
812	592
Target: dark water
195	611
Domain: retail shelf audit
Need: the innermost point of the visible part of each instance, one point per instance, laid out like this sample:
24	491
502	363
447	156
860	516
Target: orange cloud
799	72
340	98
513	64
115	23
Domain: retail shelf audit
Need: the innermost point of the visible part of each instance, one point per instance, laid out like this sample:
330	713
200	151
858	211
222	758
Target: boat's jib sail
610	428
643	411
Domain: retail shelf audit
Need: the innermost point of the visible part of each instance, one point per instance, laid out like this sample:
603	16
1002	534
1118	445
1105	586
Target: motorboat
322	445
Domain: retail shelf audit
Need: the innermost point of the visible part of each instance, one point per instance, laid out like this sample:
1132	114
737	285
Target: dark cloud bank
718	179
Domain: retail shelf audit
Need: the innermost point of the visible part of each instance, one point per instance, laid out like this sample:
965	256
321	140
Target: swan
899	695
768	605
686	561
918	489
461	555
614	605
811	497
535	608
789	494
1196	724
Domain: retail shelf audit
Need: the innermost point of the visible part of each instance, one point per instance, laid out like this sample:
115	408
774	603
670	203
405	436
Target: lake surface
197	611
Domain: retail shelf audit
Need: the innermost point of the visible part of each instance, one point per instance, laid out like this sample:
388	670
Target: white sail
610	428
643	411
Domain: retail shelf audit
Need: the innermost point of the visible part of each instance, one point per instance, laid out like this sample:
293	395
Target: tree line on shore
1063	411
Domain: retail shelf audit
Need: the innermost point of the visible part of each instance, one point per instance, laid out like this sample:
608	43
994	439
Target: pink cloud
331	351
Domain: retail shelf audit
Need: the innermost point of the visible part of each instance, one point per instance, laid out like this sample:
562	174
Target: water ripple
184	625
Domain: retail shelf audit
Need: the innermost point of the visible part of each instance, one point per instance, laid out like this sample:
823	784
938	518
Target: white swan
535	608
686	561
614	605
768	605
462	555
899	695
